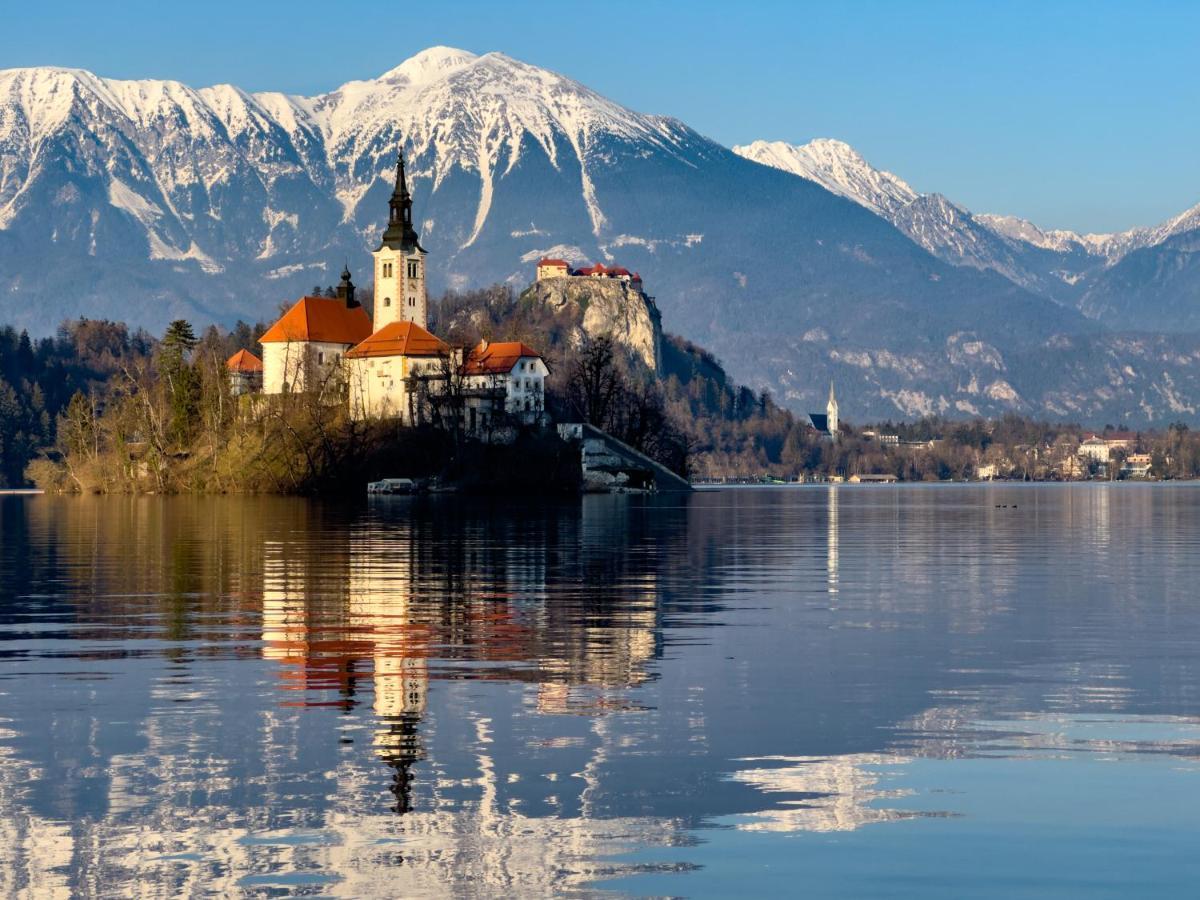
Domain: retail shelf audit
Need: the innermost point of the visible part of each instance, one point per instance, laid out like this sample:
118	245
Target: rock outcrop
606	306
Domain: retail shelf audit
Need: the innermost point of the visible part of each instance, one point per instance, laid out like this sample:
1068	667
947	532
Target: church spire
831	412
400	233
345	289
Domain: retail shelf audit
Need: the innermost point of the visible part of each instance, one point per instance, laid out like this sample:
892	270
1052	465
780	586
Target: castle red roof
325	319
497	358
546	261
244	361
399	339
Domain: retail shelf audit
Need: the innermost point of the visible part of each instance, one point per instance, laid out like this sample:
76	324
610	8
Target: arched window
387	301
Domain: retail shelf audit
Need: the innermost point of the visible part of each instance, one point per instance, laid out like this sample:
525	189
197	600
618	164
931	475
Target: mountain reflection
238	695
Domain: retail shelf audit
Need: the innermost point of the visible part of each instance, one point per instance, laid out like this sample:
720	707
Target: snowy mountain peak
429	65
837	167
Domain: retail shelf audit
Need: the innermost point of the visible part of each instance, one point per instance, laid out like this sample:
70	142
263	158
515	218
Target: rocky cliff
605	306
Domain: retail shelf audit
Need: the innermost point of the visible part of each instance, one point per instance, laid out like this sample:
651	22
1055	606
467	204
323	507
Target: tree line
99	406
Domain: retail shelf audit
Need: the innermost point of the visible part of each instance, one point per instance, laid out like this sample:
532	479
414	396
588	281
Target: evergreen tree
182	380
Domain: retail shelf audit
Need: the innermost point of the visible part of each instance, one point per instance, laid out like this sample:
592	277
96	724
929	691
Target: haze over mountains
151	200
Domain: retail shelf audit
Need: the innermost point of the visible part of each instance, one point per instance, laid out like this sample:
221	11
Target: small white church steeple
831	412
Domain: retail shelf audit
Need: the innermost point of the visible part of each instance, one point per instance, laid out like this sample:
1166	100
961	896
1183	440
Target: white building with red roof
245	373
386	372
303	350
552	268
504	381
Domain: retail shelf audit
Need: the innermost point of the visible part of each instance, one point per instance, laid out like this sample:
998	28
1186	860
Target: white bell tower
400	294
831	411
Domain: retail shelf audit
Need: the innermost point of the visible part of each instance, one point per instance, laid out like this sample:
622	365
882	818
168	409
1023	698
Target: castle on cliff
559	268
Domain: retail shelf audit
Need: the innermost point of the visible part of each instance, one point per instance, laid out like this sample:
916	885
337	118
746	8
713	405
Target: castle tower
400	263
831	412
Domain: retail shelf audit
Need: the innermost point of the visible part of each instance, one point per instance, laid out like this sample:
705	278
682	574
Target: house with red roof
552	268
391	372
504	381
245	373
303	350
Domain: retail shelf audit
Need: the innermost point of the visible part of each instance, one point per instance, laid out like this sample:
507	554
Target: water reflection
237	695
831	541
841	792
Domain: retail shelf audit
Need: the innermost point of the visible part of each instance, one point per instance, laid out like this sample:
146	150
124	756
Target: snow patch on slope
837	167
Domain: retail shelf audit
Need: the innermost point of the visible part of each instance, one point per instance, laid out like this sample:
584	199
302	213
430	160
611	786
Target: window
413	268
387	301
387	270
412	301
320	358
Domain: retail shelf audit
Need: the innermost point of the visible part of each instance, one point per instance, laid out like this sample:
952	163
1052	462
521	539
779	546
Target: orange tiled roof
320	319
548	261
244	361
400	339
498	358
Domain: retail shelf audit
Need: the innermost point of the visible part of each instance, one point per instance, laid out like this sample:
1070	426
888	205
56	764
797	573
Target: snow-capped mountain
151	200
1048	264
837	167
1063	265
183	163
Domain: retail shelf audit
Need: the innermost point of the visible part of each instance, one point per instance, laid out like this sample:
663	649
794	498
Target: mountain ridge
1060	264
151	200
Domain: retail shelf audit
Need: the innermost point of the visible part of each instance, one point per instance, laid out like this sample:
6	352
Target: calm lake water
852	691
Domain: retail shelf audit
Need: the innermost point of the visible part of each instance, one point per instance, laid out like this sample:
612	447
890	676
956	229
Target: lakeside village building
392	367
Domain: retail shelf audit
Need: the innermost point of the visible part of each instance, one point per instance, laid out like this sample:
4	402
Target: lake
826	691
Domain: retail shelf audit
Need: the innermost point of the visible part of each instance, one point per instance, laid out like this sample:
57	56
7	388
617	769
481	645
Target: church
391	366
827	422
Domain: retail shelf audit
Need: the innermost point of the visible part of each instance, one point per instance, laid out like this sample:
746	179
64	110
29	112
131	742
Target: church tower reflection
379	609
381	617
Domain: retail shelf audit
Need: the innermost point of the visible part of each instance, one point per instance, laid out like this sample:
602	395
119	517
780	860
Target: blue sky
1075	115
